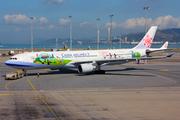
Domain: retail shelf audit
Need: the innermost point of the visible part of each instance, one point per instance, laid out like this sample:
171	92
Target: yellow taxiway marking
13	91
6	94
165	70
34	88
30	95
42	99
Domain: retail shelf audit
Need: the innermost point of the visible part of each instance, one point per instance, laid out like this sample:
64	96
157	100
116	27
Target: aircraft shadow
128	74
127	69
116	70
61	71
74	71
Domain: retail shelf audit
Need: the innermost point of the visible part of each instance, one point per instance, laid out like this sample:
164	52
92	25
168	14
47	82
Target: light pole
70	32
146	8
31	33
111	29
120	40
98	33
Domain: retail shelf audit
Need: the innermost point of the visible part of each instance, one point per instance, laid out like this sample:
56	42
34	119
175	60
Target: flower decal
165	46
147	41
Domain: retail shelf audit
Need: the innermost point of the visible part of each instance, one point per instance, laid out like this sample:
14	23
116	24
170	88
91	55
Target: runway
129	91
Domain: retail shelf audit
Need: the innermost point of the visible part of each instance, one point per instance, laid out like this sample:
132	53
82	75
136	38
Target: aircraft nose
8	62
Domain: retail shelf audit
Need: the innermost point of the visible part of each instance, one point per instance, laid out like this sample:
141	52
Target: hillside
171	35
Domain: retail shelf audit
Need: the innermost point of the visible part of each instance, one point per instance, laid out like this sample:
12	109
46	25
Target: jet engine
85	68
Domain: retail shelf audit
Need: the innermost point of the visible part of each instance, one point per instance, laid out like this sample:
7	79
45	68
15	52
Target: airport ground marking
13	91
6	94
44	69
42	99
165	70
31	95
34	88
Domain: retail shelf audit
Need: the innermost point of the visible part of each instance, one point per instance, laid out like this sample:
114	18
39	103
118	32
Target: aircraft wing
101	61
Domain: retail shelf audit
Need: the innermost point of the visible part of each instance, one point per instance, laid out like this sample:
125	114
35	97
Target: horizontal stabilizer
170	55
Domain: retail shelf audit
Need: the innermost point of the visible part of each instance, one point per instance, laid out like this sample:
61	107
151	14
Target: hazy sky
51	17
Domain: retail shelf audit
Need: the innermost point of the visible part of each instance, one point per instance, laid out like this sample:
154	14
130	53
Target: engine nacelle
85	68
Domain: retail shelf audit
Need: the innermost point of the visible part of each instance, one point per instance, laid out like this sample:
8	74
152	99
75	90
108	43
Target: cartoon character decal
147	41
135	54
48	59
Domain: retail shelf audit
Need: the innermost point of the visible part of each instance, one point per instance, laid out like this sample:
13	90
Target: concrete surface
125	92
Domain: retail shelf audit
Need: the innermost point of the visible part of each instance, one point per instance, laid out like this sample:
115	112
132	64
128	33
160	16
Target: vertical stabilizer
165	45
147	40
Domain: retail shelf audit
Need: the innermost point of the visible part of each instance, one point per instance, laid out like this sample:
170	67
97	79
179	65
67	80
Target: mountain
171	35
52	41
37	40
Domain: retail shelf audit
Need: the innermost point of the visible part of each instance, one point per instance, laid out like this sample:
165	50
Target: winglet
147	40
170	55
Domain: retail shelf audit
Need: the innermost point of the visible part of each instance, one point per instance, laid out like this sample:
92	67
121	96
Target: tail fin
147	40
165	45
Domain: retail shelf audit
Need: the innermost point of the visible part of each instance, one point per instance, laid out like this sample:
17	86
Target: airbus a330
87	61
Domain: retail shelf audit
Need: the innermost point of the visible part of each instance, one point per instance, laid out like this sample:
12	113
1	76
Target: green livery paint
137	55
48	59
51	61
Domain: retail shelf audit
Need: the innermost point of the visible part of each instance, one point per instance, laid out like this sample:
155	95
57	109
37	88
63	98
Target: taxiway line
6	94
13	91
43	99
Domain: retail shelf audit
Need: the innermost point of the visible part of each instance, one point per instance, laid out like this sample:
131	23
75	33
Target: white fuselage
60	59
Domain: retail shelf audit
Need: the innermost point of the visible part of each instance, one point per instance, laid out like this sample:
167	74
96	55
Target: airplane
86	61
163	48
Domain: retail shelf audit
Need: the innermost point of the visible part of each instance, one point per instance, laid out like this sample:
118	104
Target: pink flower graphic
147	41
165	46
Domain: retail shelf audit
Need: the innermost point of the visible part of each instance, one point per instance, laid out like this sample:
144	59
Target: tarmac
129	91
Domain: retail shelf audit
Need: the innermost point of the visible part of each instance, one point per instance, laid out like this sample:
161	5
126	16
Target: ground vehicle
20	75
14	75
11	76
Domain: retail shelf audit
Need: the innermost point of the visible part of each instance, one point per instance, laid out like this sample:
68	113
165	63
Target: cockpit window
13	58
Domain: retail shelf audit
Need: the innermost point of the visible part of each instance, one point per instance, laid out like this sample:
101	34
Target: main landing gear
98	69
100	72
24	72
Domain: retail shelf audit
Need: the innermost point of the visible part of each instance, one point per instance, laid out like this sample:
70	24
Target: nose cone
13	63
8	62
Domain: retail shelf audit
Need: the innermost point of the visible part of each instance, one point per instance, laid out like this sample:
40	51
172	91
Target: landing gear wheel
100	72
24	72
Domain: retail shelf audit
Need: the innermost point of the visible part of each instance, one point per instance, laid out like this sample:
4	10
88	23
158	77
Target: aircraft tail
146	42
163	48
165	45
